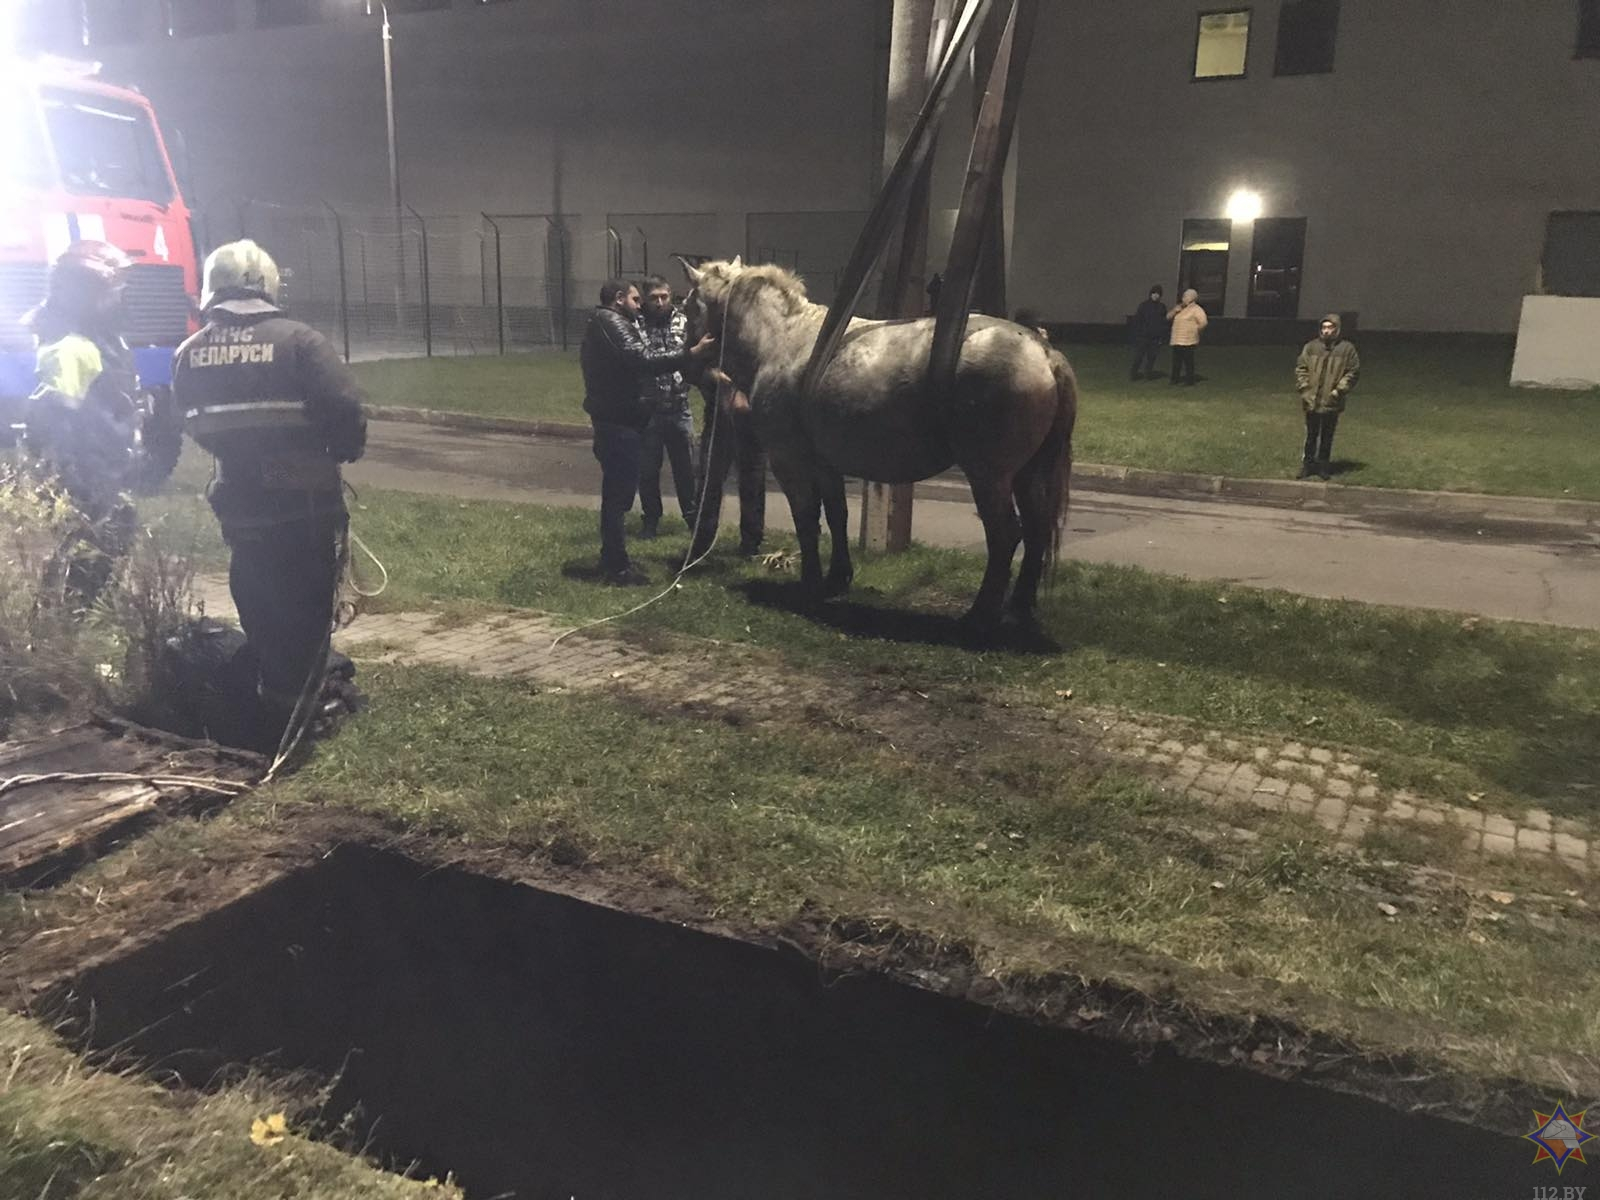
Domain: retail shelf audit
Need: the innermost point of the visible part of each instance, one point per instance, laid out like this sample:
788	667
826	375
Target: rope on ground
222	787
377	562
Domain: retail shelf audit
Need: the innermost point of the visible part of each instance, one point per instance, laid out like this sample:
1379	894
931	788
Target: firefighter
270	398
82	418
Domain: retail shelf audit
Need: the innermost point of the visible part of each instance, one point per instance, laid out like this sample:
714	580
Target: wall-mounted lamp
1244	205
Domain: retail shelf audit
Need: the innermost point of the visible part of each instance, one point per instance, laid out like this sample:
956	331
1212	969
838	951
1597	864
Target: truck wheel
160	443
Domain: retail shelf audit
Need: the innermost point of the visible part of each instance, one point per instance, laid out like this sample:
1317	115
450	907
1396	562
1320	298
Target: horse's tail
1054	456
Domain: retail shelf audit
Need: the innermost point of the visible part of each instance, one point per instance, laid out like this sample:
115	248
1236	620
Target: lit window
1307	30
1203	261
1588	29
1222	44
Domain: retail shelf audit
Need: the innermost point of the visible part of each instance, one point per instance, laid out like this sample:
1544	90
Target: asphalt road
1511	570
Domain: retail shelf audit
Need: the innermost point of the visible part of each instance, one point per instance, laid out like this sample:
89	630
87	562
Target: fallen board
47	825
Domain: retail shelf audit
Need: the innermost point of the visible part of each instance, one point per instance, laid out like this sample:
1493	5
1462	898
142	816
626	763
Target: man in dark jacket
1324	375
614	358
270	398
1149	331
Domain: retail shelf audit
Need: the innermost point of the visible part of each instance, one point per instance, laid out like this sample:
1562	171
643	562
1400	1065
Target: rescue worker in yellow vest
270	398
82	417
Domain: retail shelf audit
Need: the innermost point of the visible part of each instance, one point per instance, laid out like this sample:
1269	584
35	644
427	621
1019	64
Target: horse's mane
786	283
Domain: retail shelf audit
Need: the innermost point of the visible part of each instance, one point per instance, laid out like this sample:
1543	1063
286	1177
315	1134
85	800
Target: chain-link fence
382	284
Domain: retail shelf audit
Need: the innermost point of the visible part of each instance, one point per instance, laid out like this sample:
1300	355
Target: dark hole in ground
543	1047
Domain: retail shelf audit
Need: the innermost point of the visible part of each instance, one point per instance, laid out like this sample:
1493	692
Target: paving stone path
1330	786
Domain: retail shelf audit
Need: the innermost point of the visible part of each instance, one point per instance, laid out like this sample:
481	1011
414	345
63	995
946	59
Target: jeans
734	441
1319	436
1145	352
618	448
672	433
282	579
1183	357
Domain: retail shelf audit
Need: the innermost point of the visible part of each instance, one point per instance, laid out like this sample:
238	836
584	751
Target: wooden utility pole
916	43
989	284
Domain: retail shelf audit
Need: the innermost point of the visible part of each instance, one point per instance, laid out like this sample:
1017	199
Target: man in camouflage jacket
671	429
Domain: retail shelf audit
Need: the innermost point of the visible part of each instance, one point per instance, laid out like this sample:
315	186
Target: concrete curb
1140	481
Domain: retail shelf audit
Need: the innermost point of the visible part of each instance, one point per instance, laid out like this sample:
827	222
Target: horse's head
707	302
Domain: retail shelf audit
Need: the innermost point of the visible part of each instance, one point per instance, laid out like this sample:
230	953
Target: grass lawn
1040	863
1503	709
1456	707
1022	852
1437	417
543	386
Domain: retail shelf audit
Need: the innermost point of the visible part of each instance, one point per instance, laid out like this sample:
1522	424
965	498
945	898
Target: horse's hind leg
1002	531
840	572
1038	532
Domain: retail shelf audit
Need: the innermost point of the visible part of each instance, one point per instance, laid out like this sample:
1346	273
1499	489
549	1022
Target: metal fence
382	285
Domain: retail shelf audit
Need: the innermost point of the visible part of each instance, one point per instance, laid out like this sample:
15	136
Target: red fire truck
83	158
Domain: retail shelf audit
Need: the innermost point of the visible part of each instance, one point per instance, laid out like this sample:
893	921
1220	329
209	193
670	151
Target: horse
1006	422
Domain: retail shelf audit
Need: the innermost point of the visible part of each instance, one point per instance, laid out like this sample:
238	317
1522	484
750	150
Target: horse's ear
738	261
689	269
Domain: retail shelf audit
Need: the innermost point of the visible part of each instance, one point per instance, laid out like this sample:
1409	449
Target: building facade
1406	163
1406	158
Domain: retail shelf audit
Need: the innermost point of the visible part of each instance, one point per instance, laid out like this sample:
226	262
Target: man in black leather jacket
614	357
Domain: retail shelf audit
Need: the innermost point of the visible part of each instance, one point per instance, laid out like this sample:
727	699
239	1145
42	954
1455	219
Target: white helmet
240	270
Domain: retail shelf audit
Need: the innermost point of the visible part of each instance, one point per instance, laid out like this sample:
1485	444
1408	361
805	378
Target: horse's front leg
805	505
840	570
797	475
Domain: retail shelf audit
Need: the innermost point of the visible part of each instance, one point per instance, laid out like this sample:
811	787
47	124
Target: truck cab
83	158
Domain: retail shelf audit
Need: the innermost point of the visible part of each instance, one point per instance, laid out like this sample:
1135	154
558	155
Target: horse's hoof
1023	620
836	585
979	627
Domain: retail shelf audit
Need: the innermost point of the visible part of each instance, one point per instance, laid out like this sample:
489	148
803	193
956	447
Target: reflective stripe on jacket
272	400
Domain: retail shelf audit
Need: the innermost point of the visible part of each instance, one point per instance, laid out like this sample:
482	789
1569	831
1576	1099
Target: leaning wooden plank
985	172
892	199
83	823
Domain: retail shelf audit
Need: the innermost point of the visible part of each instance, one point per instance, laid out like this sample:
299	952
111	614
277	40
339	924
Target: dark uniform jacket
614	358
272	400
81	418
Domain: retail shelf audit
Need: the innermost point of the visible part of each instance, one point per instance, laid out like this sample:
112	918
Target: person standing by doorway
1149	331
1324	375
670	431
1187	319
